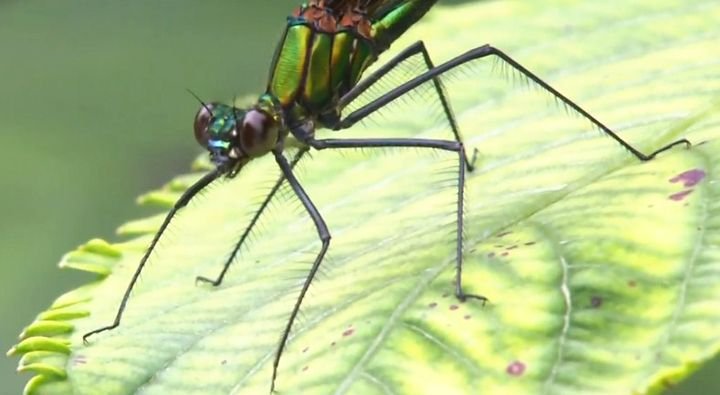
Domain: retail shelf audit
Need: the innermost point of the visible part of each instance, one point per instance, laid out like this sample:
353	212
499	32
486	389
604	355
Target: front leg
266	202
323	235
184	199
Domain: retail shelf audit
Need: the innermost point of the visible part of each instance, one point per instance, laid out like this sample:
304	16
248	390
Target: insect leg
414	49
445	145
182	202
323	234
483	52
217	281
488	50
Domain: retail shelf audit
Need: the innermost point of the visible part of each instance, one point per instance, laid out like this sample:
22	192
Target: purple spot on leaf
689	178
596	301
680	195
305	349
453	307
504	254
305	368
504	234
348	332
516	368
632	283
512	247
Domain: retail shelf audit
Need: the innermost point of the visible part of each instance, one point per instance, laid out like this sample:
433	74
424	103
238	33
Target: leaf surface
602	272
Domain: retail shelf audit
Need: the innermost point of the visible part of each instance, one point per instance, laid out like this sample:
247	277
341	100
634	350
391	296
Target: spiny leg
444	145
414	49
433	75
182	202
323	234
217	281
488	50
483	52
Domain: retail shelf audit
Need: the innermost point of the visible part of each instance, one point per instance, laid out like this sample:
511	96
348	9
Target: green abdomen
313	69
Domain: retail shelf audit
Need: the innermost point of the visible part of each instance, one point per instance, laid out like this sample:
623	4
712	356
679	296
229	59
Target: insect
315	74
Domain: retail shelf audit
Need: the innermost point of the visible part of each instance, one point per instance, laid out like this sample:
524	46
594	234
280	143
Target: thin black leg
414	49
483	52
217	281
378	74
323	234
182	202
445	145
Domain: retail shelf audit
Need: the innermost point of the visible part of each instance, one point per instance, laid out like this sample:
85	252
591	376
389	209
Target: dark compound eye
259	132
202	122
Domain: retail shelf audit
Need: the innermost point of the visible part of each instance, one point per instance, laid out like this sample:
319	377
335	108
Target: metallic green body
395	18
315	66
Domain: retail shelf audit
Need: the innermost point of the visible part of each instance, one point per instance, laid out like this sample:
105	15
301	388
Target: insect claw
201	279
463	297
471	163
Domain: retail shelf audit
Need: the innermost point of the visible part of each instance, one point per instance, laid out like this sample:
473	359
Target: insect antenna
200	101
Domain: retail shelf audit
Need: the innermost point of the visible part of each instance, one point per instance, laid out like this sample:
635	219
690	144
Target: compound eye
259	132
202	123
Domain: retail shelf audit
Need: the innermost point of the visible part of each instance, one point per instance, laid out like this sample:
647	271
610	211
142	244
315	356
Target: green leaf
602	272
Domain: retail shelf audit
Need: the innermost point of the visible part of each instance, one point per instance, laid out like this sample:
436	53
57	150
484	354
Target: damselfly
315	75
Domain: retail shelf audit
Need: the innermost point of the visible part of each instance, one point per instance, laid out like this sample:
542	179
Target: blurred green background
94	112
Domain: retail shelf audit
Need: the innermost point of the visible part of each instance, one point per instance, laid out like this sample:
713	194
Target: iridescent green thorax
326	48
